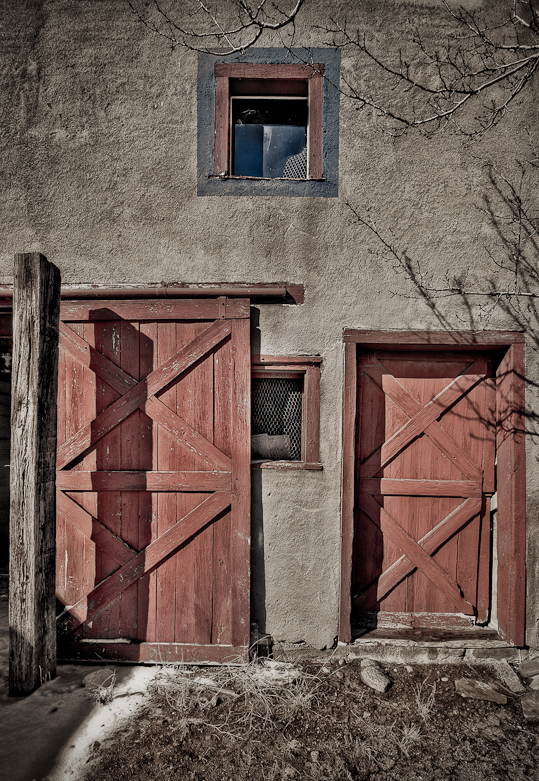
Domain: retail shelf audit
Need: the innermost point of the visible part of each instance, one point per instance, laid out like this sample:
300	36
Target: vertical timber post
32	623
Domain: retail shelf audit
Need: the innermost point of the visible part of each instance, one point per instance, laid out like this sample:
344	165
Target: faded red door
154	479
426	474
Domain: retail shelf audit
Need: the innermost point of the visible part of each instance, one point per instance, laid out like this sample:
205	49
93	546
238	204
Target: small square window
268	121
290	143
285	412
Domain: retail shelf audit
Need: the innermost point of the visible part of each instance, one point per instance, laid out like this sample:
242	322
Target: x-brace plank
422	420
417	555
92	528
94	360
87	436
145	561
431	542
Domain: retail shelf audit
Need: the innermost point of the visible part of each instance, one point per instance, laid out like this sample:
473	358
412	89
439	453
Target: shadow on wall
258	571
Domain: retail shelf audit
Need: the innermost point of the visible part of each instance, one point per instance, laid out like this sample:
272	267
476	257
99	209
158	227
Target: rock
339	675
102	677
369	663
529	668
534	683
530	706
374	677
509	678
478	690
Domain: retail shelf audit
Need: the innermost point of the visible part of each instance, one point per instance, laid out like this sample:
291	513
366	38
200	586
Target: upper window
268	121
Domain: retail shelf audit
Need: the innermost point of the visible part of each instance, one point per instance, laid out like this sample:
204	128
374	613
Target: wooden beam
32	624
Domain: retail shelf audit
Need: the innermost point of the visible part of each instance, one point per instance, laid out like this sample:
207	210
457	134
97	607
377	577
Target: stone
534	683
529	668
374	677
509	678
478	690
102	677
369	663
530	706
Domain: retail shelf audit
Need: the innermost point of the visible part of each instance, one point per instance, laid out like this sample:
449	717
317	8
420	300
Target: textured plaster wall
99	172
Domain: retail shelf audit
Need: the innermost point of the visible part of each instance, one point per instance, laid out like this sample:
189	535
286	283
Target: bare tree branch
433	83
223	27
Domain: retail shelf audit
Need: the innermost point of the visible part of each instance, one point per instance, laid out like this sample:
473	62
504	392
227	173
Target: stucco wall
99	172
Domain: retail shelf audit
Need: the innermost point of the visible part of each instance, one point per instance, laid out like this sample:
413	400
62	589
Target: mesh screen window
276	419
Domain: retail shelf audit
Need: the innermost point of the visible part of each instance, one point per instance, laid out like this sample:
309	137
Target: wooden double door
153	480
425	475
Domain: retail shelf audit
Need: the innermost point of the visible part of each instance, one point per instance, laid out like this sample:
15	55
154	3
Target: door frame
508	347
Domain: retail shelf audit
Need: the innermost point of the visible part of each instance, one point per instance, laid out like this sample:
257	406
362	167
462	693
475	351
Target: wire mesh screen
276	412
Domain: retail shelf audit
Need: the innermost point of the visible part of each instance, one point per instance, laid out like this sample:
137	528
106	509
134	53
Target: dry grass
425	701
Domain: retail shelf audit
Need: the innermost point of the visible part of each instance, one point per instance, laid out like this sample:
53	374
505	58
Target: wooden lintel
32	630
259	292
425	340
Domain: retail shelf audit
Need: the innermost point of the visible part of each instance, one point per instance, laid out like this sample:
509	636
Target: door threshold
431	629
374	639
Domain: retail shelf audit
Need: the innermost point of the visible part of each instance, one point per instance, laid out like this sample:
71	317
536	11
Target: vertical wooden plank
107	336
311	416
203	543
348	488
489	484
32	633
315	126
511	495
130	458
166	514
76	564
223	437
147	594
185	400
221	125
471	412
240	536
61	438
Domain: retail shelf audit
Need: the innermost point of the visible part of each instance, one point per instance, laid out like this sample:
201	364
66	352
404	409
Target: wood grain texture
431	542
146	560
424	340
418	556
350	410
425	427
315	170
511	495
154	309
166	372
139	480
156	466
36	304
240	559
221	161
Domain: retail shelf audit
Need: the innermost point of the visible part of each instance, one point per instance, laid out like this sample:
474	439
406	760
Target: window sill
226	177
286	465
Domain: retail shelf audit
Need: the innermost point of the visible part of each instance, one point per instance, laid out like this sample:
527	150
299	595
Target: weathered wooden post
32	633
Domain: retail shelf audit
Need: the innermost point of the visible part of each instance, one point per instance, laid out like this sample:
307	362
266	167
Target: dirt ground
321	722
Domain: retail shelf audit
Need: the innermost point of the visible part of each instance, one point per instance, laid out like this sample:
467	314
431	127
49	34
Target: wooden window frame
312	74
511	461
308	367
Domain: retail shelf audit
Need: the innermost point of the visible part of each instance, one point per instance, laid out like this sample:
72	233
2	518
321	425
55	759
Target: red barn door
153	479
425	477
